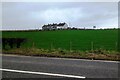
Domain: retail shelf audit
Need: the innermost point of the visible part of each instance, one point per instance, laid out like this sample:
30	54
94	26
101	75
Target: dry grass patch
65	53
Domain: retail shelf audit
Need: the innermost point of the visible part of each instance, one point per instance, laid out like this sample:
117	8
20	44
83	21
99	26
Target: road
14	66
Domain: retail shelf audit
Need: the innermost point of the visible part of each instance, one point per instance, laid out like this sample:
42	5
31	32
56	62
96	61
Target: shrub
12	42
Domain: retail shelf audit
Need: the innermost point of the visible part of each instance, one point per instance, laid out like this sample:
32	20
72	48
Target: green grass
68	39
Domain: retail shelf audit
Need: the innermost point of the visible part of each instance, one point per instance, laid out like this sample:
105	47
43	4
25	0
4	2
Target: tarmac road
14	66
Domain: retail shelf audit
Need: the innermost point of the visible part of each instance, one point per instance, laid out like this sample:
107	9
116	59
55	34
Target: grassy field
68	39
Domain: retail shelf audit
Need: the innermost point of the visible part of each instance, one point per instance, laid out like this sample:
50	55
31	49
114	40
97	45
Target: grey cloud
25	15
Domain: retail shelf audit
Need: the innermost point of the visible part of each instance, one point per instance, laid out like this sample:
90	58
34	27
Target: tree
94	27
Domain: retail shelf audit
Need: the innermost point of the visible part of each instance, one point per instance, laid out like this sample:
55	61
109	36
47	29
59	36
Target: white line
42	73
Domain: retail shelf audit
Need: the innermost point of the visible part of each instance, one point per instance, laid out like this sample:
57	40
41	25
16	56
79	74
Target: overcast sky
32	15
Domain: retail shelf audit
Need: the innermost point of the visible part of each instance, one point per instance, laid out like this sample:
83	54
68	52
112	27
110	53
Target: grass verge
96	54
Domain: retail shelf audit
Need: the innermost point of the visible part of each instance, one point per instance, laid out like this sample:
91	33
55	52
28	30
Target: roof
54	24
61	24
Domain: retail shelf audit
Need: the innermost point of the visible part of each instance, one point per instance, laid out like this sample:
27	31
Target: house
55	26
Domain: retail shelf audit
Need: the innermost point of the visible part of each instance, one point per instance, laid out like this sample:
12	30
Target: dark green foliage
12	42
19	41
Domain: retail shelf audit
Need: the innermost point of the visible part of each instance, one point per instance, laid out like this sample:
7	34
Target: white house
55	26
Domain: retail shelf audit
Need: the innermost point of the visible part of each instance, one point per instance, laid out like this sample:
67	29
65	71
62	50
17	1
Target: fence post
51	46
33	45
116	46
70	46
92	46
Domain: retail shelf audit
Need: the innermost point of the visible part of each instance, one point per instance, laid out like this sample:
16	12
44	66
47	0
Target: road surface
14	66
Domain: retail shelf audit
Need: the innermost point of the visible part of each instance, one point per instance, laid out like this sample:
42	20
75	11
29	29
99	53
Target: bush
12	42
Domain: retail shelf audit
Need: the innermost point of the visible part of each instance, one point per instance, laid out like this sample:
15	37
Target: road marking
42	73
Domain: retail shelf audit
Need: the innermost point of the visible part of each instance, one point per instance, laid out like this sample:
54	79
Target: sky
33	15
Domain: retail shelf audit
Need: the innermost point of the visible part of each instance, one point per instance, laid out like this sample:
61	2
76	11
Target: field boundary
64	54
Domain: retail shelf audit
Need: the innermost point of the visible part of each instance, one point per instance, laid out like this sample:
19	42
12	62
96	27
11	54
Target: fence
73	46
69	45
